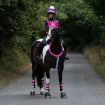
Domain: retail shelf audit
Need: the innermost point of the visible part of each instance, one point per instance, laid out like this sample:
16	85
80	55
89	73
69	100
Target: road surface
82	85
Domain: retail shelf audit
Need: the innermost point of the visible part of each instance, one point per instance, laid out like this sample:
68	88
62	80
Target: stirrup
66	58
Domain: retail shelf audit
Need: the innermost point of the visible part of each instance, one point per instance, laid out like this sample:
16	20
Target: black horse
53	56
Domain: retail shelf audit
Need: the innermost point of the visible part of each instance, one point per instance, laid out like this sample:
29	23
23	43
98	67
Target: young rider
51	22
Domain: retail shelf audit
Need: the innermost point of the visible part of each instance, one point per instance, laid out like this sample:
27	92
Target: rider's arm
59	25
46	27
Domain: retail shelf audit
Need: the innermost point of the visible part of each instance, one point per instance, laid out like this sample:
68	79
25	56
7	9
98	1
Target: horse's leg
34	66
60	71
42	83
42	87
47	94
33	78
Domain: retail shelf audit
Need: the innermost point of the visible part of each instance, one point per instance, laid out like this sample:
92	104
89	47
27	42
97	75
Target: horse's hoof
47	95
32	93
42	93
63	95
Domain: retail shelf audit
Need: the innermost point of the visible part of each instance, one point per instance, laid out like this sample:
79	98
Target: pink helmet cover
52	10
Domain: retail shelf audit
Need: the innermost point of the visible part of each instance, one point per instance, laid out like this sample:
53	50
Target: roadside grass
11	64
96	57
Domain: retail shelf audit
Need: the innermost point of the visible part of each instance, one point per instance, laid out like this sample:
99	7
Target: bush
22	22
82	26
96	57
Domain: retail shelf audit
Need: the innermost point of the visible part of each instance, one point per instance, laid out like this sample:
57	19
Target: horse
53	56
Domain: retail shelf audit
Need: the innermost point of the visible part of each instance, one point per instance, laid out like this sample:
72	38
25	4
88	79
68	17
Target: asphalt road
82	85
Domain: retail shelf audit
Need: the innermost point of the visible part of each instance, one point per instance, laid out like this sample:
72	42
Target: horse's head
53	33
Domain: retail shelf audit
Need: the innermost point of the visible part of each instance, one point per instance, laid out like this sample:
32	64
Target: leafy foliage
22	22
82	24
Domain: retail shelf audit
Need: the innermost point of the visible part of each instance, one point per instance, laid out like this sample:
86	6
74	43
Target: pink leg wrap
61	87
47	87
33	82
43	82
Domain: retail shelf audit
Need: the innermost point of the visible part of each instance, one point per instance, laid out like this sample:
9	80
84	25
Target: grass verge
96	57
11	64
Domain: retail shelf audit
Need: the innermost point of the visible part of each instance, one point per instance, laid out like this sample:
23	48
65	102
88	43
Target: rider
51	23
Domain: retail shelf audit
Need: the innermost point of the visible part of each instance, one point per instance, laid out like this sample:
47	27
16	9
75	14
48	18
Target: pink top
53	24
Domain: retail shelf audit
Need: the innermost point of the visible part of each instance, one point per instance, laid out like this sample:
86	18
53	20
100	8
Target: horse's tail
39	75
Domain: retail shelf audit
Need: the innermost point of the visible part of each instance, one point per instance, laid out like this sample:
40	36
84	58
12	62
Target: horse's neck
56	46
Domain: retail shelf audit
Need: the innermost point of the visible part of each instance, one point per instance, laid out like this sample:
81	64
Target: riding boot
66	57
